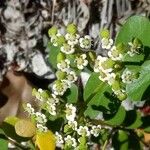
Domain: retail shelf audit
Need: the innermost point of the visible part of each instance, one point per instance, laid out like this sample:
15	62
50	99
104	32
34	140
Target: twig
53	10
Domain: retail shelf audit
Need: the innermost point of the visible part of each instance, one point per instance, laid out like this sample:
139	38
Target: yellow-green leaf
11	120
45	140
25	128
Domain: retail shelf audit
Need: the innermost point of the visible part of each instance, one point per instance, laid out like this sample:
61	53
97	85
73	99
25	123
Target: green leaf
134	143
117	118
135	58
136	26
11	120
133	122
3	144
92	86
9	130
136	89
53	55
72	94
120	140
98	102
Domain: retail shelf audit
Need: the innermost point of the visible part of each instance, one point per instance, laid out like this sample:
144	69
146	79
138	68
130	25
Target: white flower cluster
54	39
72	39
70	112
41	128
96	130
106	43
51	103
28	108
40	120
134	49
85	42
128	76
70	141
81	61
59	88
64	65
114	54
104	66
39	117
83	131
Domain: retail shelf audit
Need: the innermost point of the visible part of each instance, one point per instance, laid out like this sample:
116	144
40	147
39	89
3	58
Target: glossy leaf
72	94
99	102
136	89
92	86
117	118
135	27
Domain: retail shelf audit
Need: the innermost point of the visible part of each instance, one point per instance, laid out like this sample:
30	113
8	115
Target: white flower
67	49
73	125
70	141
64	65
96	130
101	65
103	76
40	118
71	76
119	92
54	99
54	40
127	76
59	139
60	88
114	54
41	128
29	109
70	112
81	61
51	108
111	78
85	42
83	131
38	95
133	49
97	65
11	146
106	43
72	39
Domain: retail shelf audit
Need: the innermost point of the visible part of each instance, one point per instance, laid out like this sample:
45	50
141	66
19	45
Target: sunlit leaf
45	140
25	128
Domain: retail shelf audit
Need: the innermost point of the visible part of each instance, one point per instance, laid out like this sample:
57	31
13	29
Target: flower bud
92	56
52	31
122	95
60	57
60	40
108	64
60	75
72	29
34	92
116	85
104	33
